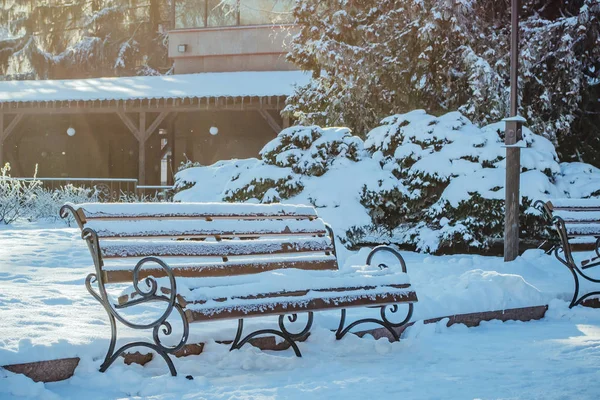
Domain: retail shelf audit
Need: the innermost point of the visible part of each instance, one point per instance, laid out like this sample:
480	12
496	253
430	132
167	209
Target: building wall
103	147
242	134
234	48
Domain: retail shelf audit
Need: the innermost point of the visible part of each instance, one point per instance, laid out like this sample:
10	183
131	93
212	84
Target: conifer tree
373	58
43	39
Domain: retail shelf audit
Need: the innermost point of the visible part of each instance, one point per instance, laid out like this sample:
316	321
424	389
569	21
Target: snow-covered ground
47	313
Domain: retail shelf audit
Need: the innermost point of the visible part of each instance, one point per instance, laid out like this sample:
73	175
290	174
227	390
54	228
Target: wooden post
142	150
1	140
172	165
286	122
513	153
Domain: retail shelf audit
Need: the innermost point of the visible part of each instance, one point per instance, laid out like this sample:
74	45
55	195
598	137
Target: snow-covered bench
577	222
230	261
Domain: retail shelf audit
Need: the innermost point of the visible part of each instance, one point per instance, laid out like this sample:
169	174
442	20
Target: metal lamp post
513	134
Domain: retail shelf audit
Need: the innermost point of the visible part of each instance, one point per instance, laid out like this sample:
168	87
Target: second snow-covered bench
577	222
219	261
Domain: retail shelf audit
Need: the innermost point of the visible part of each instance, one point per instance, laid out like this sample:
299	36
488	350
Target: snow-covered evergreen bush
311	150
295	153
432	183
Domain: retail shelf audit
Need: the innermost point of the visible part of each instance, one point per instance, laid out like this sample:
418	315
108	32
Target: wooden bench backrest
577	222
213	239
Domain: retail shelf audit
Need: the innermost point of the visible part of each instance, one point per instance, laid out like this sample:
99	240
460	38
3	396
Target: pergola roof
190	86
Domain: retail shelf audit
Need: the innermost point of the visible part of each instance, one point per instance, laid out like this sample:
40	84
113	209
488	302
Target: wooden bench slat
230	268
313	300
120	248
578	216
574	204
583	229
108	211
201	228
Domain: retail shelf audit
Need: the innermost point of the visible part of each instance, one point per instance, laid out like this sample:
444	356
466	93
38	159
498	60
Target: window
190	14
222	12
213	13
266	12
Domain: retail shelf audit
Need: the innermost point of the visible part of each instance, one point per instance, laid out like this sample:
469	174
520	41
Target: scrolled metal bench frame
342	329
101	295
289	337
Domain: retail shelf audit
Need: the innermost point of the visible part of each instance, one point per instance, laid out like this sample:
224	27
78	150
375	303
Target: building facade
224	101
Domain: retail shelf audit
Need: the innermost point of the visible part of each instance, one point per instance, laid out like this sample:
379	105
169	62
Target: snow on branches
379	57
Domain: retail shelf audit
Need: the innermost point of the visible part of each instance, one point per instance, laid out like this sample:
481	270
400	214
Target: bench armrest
388	249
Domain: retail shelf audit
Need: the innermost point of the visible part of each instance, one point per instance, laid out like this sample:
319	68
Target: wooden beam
15	168
142	150
1	140
171	139
270	120
12	125
286	122
155	124
246	105
129	124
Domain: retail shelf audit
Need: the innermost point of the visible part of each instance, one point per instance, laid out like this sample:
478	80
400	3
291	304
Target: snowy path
47	313
556	358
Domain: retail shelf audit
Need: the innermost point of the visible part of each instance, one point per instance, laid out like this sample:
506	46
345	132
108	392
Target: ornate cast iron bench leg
283	332
342	329
142	297
576	272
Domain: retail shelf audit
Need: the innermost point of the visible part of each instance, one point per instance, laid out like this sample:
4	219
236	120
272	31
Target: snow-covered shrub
46	203
453	173
187	163
295	153
156	197
17	197
311	150
431	183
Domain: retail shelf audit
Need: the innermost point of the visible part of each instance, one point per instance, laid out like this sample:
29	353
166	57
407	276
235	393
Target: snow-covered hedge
29	200
434	183
16	196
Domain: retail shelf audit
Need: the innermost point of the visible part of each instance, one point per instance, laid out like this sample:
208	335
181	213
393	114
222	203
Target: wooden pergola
139	115
143	103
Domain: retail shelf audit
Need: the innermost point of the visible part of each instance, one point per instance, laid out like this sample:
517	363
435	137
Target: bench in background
577	222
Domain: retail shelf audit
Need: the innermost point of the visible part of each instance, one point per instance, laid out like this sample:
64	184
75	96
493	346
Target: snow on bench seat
287	291
286	302
191	210
200	228
170	248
